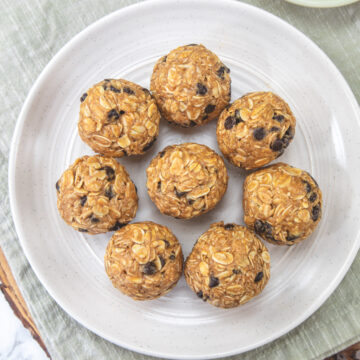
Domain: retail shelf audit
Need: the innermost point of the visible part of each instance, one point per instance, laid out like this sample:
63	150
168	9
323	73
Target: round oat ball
95	195
255	129
144	260
191	85
186	180
228	265
118	117
282	204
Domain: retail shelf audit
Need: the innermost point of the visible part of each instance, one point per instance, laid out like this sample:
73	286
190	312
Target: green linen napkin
31	32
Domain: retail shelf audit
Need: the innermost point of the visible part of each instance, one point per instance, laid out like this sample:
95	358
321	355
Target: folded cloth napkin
31	32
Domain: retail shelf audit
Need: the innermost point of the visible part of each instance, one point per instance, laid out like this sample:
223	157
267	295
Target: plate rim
321	5
14	204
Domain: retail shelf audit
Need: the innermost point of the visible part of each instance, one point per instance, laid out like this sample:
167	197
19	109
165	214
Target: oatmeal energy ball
191	85
255	129
95	195
118	117
144	260
282	204
228	265
186	180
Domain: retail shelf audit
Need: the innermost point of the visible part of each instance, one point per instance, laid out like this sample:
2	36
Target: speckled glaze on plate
264	53
322	3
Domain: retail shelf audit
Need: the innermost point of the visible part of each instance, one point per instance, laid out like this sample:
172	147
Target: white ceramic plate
322	3
264	53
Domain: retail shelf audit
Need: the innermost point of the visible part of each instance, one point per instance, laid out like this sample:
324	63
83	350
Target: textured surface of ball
95	195
118	117
228	265
144	260
186	180
282	204
255	129
191	85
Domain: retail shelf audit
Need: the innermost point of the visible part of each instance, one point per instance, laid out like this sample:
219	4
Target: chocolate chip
162	261
113	115
164	59
128	91
200	294
172	257
82	230
210	108
279	118
307	186
159	185
206	297
229	226
236	271
290	237
94	219
214	281
192	123
192	45
57	186
149	268
109	193
114	89
274	129
110	172
287	137
315	212
277	145
191	201
262	227
83	97
180	194
229	123
83	200
201	89
162	153
259	276
107	80
105	86
149	145
121	112
117	226
238	118
205	117
220	72
259	133
167	244
227	106
146	91
313	197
